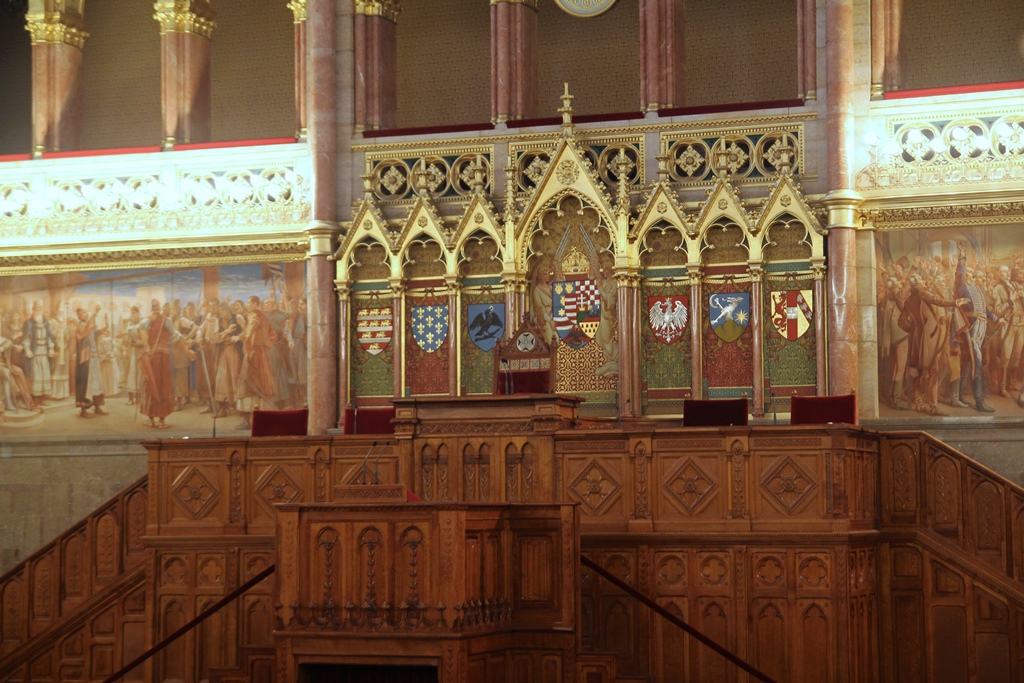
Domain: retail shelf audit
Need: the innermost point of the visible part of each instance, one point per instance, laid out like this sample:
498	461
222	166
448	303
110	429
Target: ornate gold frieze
389	9
55	29
171	257
948	215
184	16
298	8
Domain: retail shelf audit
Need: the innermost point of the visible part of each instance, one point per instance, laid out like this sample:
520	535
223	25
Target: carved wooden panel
600	482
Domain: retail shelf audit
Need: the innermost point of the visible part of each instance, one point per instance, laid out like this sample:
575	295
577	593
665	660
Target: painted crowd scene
951	322
105	352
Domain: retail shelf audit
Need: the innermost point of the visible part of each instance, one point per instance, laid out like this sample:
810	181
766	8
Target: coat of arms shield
429	326
486	324
668	316
373	328
576	310
729	314
792	312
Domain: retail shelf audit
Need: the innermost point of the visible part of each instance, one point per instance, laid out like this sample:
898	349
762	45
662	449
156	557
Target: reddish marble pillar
57	43
454	325
662	54
879	29
809	42
513	59
757	334
820	342
344	308
892	44
376	63
397	336
186	28
696	352
627	298
322	330
298	8
841	200
515	288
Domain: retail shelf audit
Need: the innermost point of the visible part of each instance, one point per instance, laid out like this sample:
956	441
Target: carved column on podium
757	347
515	301
298	8
344	307
662	54
376	56
186	29
397	333
820	351
696	353
454	314
513	59
58	36
628	297
322	333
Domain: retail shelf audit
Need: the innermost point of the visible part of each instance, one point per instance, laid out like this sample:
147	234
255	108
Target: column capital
298	8
389	9
532	4
756	270
397	287
344	289
694	274
55	28
627	277
185	16
842	208
321	237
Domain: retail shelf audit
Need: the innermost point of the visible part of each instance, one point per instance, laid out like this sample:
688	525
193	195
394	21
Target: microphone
217	414
365	457
376	463
505	371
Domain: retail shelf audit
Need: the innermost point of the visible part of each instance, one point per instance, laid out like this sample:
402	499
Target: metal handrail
192	624
621	585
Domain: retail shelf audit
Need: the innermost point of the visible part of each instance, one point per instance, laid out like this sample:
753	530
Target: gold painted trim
298	8
389	9
944	216
180	16
151	258
48	29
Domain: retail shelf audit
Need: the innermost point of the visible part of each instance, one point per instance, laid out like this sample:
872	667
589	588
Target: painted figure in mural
156	400
925	317
61	377
540	296
229	361
39	350
895	340
14	388
88	384
256	377
132	347
280	355
109	372
1009	305
971	335
182	361
295	333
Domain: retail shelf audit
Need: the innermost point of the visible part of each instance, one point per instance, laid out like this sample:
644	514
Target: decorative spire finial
566	112
664	161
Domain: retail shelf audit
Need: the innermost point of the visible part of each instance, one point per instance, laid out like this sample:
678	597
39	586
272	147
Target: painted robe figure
157	397
88	384
256	378
39	349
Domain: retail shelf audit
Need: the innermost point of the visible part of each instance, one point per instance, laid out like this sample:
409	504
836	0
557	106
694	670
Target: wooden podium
515	413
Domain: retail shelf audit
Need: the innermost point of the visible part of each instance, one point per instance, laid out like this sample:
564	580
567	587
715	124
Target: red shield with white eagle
667	316
792	312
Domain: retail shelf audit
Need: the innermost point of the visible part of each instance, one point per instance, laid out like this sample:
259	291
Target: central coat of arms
576	302
729	314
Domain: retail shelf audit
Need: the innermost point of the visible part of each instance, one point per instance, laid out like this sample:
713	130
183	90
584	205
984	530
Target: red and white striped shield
791	312
373	328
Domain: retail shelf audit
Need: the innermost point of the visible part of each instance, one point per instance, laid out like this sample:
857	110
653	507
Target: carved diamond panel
787	483
689	485
594	486
194	492
277	486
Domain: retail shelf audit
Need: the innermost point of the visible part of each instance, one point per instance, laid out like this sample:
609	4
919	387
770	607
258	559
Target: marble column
513	59
397	335
322	331
627	302
186	29
757	337
57	43
662	54
298	8
344	330
454	325
840	200
808	48
515	287
376	63
696	353
894	22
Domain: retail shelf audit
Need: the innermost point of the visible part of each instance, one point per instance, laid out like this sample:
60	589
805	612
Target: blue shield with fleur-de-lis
429	326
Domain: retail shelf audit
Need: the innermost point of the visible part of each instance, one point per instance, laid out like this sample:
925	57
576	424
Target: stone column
627	298
454	315
515	288
375	30
298	8
186	28
757	334
696	353
807	24
513	59
397	334
322	332
344	328
820	350
840	200
662	54
57	40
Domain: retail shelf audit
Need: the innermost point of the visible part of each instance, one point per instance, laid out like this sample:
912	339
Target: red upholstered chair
722	412
369	420
817	410
280	422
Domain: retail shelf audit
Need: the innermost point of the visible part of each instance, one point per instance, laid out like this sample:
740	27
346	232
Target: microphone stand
376	463
365	458
216	415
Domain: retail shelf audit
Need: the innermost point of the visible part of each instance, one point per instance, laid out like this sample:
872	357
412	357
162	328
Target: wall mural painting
124	351
573	296
951	321
666	312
